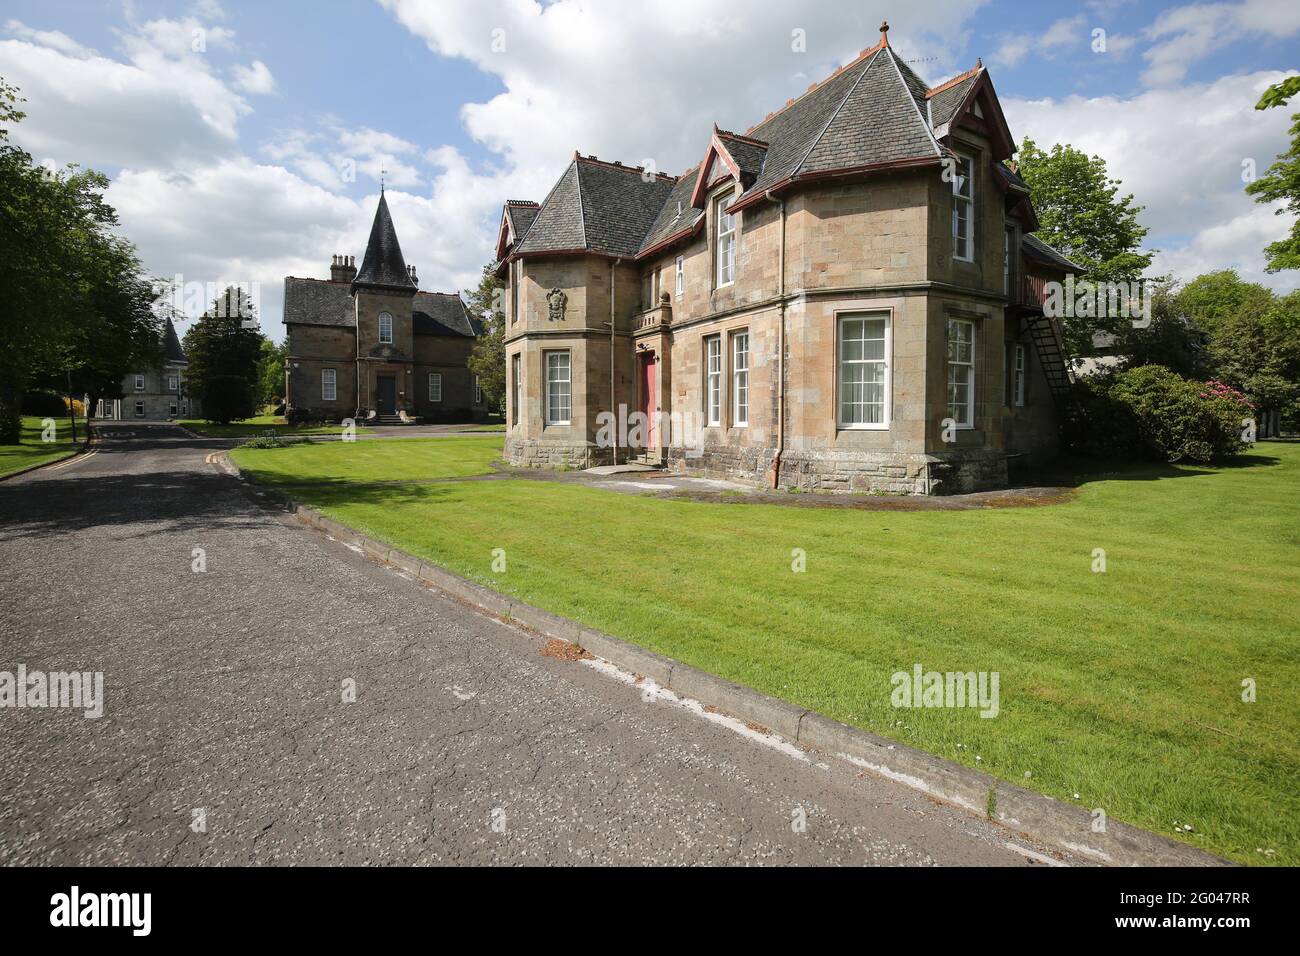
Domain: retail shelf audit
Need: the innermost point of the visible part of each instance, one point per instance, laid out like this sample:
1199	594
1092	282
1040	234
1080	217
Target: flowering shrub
1152	412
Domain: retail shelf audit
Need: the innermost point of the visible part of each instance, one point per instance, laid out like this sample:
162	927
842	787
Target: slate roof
1011	176
443	313
599	207
873	112
383	264
321	302
677	213
748	154
1035	248
944	103
172	351
521	214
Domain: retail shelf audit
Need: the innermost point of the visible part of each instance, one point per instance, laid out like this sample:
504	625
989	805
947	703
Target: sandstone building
368	344
848	296
155	394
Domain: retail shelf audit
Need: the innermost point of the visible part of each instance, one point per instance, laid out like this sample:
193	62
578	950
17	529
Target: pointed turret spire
383	264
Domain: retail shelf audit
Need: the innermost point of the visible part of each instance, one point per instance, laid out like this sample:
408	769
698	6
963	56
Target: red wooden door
648	397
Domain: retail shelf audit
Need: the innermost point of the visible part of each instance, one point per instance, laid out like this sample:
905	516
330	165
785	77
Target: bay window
961	372
559	385
864	371
740	378
713	380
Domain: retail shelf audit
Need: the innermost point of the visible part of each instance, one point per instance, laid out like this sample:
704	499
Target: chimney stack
415	281
343	268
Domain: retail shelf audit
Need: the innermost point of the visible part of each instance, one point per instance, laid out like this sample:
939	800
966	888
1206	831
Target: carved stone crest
556	300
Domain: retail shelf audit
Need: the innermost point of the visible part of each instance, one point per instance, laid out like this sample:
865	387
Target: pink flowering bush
1153	412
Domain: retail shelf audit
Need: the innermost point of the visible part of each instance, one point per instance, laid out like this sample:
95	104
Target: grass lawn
259	425
32	451
1124	687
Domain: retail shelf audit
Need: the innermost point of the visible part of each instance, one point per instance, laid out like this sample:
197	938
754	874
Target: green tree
77	302
1172	339
1257	349
488	359
1281	181
224	350
1211	298
1081	213
270	374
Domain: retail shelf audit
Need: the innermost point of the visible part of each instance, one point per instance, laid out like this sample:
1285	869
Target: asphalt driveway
224	693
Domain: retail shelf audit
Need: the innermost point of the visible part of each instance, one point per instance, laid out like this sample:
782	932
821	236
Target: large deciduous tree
1253	342
76	301
1281	181
1081	213
488	359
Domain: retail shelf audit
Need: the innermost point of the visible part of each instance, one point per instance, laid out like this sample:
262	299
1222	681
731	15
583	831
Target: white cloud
255	79
1234	244
1180	153
1061	35
628	82
637	81
1183	35
54	39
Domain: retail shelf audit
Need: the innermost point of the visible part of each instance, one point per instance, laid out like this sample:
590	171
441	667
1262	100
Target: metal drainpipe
780	379
612	407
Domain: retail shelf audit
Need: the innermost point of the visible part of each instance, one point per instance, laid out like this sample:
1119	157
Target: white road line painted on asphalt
1034	855
75	460
1089	851
911	781
650	691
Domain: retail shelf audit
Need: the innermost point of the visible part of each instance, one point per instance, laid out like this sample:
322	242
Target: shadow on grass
1072	472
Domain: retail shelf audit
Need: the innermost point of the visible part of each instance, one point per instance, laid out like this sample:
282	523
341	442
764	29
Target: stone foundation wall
745	463
530	453
849	472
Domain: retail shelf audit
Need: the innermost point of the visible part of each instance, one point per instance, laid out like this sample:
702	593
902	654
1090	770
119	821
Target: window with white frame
1018	375
725	228
516	381
559	388
435	386
679	281
171	383
713	380
139	409
963	209
139	383
740	378
864	371
478	391
385	327
328	384
961	372
172	408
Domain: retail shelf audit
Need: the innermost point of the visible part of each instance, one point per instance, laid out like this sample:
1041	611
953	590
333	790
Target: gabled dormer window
385	327
963	209
725	245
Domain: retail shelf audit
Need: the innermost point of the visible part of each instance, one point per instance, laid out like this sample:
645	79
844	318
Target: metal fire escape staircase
1045	333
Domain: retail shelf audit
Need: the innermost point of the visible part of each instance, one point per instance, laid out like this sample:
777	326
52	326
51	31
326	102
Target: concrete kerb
1045	819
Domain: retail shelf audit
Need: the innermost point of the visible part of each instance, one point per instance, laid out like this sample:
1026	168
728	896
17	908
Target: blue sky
232	161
